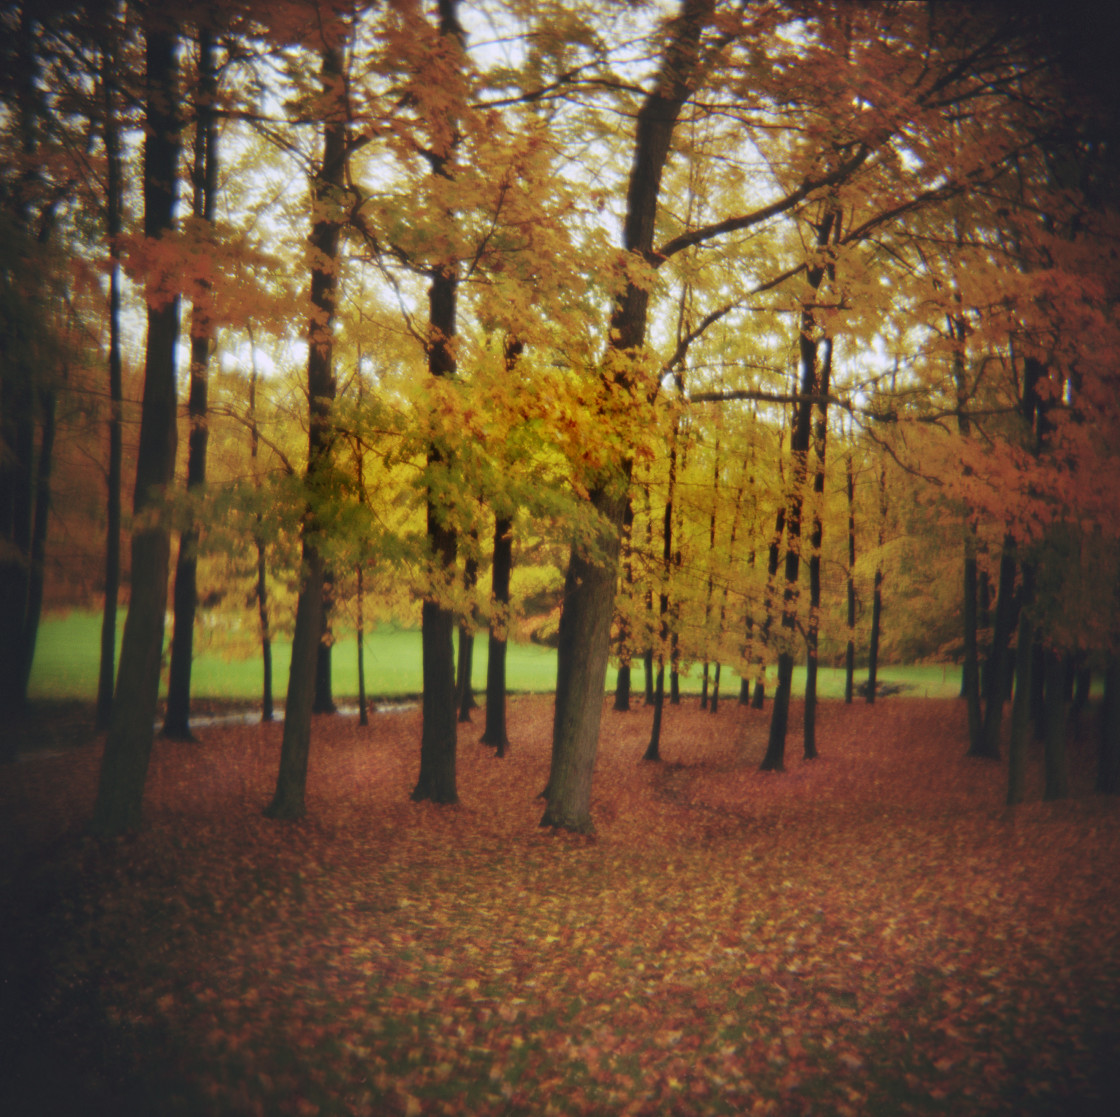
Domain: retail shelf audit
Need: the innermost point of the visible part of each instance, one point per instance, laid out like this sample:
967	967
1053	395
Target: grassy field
66	659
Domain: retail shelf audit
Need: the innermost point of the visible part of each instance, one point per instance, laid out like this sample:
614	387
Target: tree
128	744
328	215
205	181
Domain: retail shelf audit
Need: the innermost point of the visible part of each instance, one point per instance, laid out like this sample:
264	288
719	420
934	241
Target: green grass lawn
66	658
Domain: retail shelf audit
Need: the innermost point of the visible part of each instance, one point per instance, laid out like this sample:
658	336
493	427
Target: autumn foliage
871	932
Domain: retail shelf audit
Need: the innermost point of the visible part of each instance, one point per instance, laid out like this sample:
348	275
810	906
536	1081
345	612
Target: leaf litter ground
868	933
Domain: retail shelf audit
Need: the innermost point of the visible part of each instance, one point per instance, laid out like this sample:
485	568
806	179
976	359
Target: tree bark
495	732
877	595
970	672
998	655
323	702
1020	707
808	346
262	568
1108	757
288	802
850	651
177	719
464	689
816	537
622	682
114	480
591	579
1057	773
438	741
128	744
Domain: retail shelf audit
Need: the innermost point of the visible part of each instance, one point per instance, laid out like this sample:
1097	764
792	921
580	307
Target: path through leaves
869	933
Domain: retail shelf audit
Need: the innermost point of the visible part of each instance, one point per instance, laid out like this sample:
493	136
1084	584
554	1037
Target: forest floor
872	932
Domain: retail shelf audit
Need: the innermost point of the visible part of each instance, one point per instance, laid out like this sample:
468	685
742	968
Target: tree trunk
496	733
999	654
439	740
850	651
808	346
773	557
114	480
713	705
1108	757
291	782
323	702
970	672
816	537
591	581
128	744
363	713
653	749
877	595
177	720
1020	710
1057	774
262	570
647	674
464	689
622	682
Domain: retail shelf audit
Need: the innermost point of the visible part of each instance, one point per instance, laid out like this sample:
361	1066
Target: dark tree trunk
438	742
177	720
1057	773
970	671
288	800
998	656
704	687
464	689
262	570
653	749
114	480
647	655
808	346
1020	707
816	537
622	689
496	732
439	736
773	558
1108	758
363	713
877	595
323	702
713	705
873	643
591	581
38	549
622	681
850	651
128	744
647	670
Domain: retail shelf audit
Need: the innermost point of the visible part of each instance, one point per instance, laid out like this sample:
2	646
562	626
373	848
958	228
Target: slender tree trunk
653	749
647	672
288	802
259	544
114	480
323	702
1057	773
363	712
808	346
1020	708
713	705
850	651
591	581
816	537
1108	757
773	558
970	672
877	595
647	655
622	683
177	720
128	744
38	549
496	733
998	656
463	683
